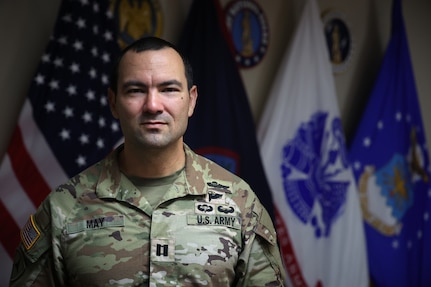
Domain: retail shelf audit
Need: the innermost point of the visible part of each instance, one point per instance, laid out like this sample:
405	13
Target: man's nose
153	102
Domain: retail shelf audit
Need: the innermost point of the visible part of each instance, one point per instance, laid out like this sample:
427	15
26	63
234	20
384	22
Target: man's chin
154	143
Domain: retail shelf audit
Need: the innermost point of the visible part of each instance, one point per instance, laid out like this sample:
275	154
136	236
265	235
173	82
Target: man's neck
152	163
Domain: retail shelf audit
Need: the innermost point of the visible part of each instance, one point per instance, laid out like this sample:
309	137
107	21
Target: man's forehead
166	52
164	56
157	65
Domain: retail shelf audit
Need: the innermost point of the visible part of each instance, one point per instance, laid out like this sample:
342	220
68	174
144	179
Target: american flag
65	124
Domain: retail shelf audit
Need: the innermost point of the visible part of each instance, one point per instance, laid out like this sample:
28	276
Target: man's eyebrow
171	82
143	85
133	84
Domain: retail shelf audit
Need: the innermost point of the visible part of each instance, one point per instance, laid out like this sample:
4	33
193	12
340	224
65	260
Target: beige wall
25	26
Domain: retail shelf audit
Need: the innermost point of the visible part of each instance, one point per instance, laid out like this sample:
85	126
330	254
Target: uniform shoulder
210	167
219	179
83	184
105	169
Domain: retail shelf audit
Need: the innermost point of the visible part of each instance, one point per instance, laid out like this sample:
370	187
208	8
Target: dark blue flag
222	126
391	165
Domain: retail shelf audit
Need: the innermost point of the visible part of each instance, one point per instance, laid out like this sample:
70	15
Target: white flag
319	222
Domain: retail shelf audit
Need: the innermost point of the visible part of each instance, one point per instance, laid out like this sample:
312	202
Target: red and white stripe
28	172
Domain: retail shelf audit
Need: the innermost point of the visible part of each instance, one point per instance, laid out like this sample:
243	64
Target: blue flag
391	166
222	127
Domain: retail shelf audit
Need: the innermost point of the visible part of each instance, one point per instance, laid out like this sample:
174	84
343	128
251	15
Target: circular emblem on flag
388	191
315	173
249	31
136	19
386	195
338	39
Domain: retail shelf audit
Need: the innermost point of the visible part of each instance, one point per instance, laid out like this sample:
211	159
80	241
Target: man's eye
170	90
135	91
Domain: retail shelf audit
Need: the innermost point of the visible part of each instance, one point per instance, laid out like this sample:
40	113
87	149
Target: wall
25	27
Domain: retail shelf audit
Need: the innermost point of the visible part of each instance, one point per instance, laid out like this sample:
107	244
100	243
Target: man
152	213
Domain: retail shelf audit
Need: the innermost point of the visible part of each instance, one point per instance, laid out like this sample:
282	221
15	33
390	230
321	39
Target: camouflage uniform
99	230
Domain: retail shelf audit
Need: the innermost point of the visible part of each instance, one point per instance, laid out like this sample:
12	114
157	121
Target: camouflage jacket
99	230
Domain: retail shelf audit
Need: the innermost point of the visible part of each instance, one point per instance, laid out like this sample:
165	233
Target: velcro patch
95	223
30	233
214	220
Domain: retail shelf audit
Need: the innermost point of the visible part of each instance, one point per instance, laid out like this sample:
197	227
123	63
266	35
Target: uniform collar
197	179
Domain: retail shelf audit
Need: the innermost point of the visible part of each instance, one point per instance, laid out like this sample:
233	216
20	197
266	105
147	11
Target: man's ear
112	99
193	94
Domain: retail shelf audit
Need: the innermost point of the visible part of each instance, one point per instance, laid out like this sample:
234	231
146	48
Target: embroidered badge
163	250
30	233
204	208
216	197
224	209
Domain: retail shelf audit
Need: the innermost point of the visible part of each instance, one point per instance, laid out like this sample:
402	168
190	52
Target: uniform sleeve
33	264
260	262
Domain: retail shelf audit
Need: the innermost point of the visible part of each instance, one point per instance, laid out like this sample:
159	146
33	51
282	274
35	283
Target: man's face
152	102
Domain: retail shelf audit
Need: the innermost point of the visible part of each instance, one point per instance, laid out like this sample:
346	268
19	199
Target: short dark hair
147	44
